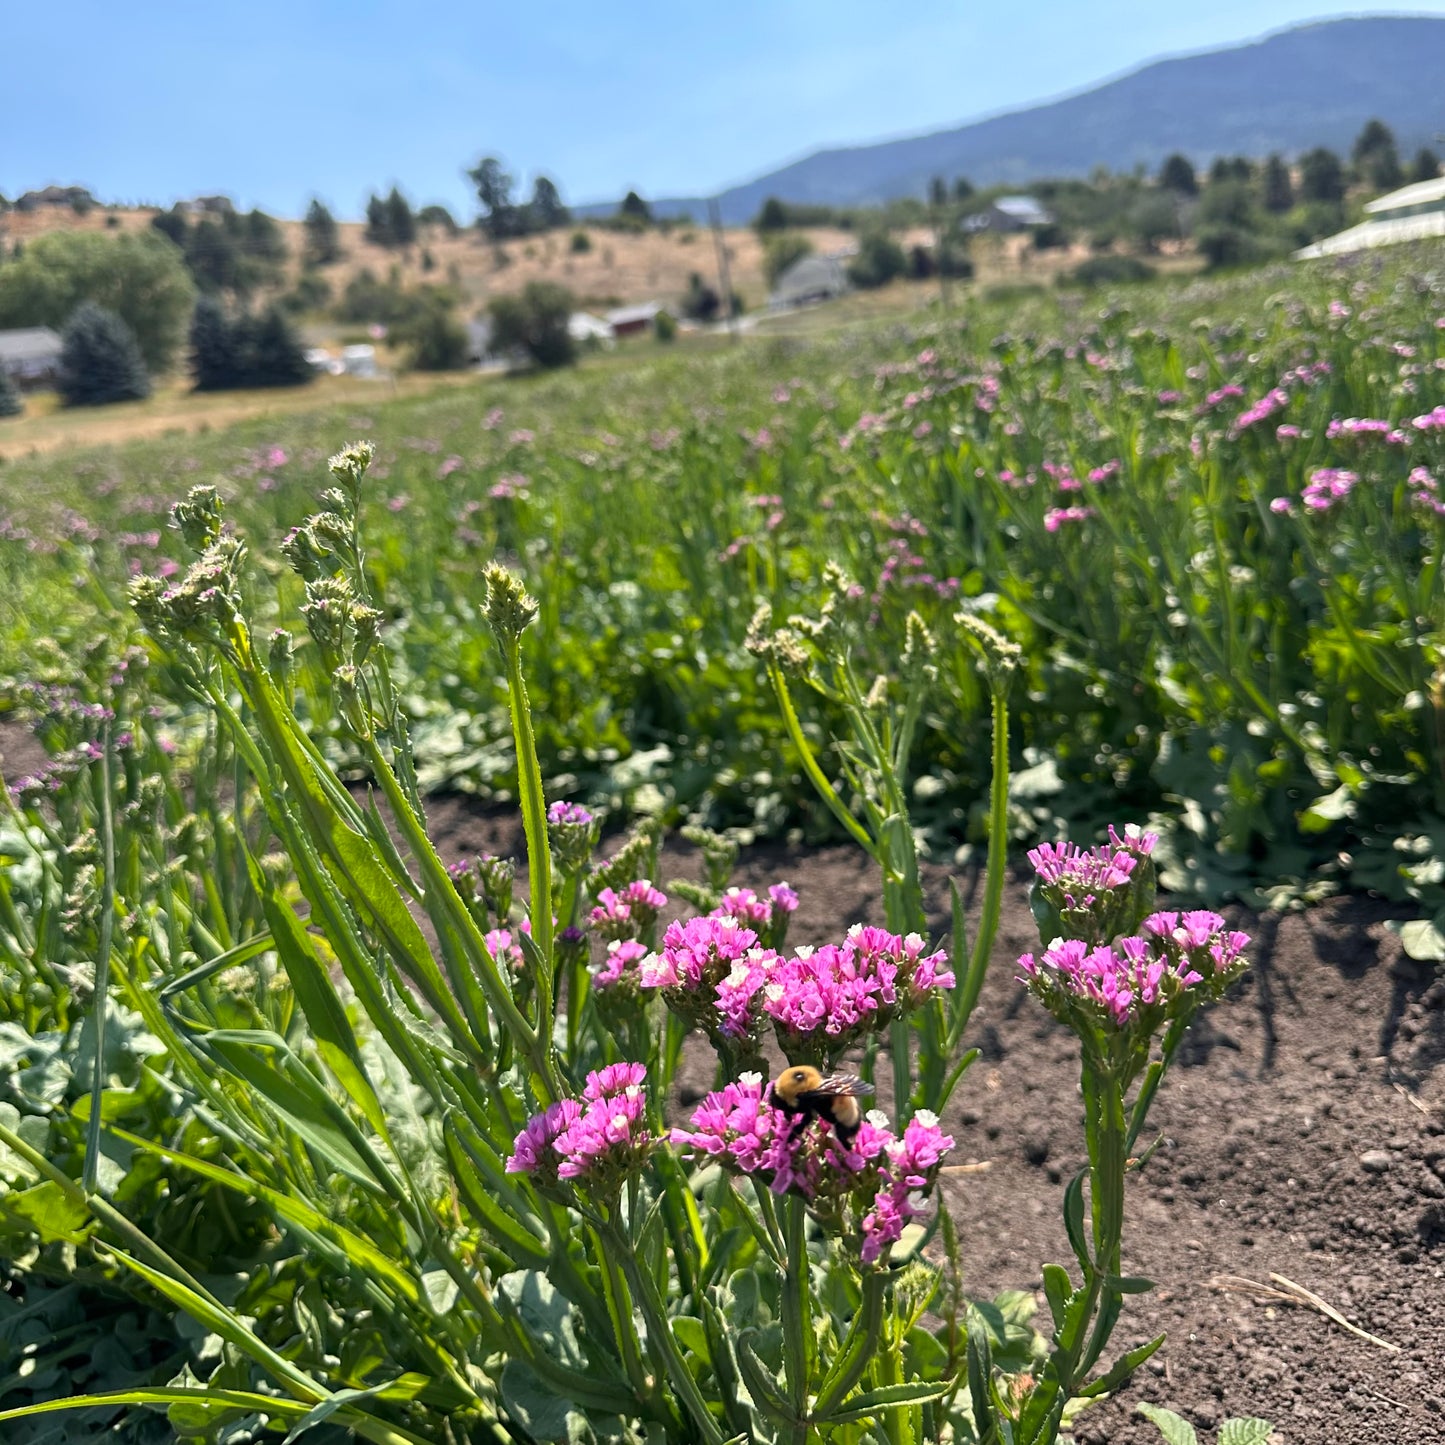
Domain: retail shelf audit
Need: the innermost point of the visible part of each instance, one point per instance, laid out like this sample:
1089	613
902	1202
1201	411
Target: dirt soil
1302	1134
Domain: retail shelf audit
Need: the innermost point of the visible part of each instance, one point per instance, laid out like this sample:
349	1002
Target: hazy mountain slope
1313	85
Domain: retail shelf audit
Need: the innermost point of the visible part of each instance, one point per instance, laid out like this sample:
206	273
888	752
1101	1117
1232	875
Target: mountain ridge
1288	91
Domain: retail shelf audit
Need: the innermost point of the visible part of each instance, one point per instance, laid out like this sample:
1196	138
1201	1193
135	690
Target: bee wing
840	1086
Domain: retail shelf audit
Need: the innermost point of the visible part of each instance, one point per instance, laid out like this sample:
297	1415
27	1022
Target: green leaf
317	998
761	1384
327	1408
1074	1222
50	1211
1128	1284
532	1403
1058	1287
888	1397
1421	938
1122	1368
1175	1428
980	1374
1247	1430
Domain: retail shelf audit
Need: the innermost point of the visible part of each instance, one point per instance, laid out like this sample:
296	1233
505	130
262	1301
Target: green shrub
782	250
435	339
1109	271
535	322
664	327
10	403
139	276
580	243
880	259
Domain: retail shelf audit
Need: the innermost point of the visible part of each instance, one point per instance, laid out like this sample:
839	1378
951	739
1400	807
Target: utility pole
938	198
723	278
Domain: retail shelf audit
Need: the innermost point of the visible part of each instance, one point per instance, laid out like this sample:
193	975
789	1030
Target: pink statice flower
620	970
822	1001
596	1141
1134	984
1327	486
866	1190
629	913
766	916
1283	506
533	1151
1057	517
711	973
503	945
1097	892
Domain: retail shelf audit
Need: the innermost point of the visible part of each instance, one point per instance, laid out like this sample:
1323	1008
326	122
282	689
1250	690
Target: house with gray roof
1009	213
808	280
30	356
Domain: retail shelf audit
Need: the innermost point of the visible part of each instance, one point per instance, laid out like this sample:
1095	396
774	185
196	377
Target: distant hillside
1313	85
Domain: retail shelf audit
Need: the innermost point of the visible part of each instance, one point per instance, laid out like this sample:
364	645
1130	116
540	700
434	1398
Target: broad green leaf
1175	1428
532	1403
1421	938
50	1211
1248	1430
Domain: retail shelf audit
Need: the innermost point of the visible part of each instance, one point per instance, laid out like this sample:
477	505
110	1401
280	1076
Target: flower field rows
332	1134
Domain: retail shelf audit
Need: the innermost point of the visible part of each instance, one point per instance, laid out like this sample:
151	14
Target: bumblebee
804	1091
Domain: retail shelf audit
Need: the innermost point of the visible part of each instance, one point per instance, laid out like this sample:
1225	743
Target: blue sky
273	101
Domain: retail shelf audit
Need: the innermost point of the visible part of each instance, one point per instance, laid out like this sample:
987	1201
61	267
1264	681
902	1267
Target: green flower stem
967	999
858	1349
91	1172
810	764
795	1288
534	818
659	1334
619	1309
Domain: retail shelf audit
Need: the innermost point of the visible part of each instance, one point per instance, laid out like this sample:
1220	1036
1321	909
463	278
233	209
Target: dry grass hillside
616	269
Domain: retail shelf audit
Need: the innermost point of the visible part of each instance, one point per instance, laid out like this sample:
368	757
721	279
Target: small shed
633	320
809	280
30	356
359	361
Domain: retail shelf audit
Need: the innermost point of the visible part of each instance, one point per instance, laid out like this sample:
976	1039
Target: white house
1413	213
589	330
30	356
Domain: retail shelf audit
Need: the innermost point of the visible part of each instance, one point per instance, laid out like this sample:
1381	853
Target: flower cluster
630	912
710	970
824	1000
1094	893
767	917
570	829
1134	983
868	1188
620	968
596	1140
1327	486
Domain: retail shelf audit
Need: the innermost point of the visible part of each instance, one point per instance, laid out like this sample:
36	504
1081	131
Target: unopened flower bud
305	552
349	465
198	518
509	608
327	611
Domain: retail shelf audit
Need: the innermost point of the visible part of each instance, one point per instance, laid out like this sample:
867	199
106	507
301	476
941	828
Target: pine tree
1425	166
276	355
213	347
1177	174
1278	189
323	242
10	403
99	359
400	222
1375	158
378	222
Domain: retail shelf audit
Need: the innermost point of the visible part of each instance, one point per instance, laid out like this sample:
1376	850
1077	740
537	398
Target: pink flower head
768	917
532	1151
621	967
629	913
823	1000
1057	517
